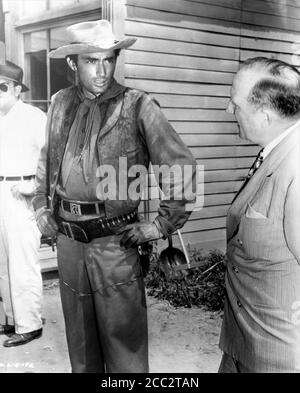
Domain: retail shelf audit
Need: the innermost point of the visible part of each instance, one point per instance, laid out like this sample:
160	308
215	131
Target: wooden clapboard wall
186	55
271	28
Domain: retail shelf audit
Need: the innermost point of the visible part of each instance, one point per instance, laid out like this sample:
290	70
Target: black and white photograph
149	189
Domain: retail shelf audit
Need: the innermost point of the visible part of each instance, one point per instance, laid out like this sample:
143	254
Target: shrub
201	286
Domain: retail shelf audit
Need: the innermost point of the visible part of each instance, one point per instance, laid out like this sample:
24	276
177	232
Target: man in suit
261	324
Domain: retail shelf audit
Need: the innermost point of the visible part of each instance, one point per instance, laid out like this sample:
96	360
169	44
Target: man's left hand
138	233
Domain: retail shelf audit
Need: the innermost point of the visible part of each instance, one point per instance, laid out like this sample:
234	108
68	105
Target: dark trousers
104	306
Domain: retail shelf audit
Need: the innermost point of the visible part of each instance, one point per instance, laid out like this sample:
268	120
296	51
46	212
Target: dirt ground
180	340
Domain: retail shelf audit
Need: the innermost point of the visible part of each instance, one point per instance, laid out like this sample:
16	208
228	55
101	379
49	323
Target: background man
22	134
261	325
90	126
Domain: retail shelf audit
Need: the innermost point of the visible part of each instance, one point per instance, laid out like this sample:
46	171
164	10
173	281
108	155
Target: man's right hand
46	223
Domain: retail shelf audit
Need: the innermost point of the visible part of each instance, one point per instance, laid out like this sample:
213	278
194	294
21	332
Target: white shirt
22	135
267	150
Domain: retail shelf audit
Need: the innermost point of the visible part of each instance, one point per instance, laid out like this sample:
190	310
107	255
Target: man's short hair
279	88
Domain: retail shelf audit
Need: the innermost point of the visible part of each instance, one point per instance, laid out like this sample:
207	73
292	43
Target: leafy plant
201	286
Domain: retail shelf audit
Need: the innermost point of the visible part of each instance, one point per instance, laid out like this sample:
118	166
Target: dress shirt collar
270	146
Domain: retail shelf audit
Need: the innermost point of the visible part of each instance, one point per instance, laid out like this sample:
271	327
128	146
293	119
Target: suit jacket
261	325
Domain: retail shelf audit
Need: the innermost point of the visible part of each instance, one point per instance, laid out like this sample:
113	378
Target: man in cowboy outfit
90	126
22	135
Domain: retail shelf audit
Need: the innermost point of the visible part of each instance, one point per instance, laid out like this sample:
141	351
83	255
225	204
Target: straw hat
90	37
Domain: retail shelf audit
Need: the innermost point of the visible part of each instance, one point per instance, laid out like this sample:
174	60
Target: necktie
257	163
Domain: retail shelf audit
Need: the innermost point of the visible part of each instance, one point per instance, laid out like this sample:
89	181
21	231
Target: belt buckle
75	209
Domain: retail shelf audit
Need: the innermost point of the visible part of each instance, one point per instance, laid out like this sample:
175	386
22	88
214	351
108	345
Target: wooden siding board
184	21
197	114
224	151
213	163
179	61
213	140
268	8
255	18
225	3
185	101
267	45
140	29
177	74
189	8
292	3
185	127
203	89
185	48
269	33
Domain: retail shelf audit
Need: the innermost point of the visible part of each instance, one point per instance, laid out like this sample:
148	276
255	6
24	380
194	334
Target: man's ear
267	115
18	89
72	64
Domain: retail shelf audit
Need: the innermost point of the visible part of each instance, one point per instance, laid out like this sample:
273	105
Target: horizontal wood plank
179	61
266	8
225	175
177	74
225	3
172	33
267	45
153	86
185	101
281	22
292	3
197	114
185	48
226	151
177	19
185	127
214	163
213	140
275	34
189	8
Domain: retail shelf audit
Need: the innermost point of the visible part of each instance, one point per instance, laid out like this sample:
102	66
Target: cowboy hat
90	37
9	70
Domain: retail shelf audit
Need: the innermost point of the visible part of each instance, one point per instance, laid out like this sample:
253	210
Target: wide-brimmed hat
90	37
9	70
